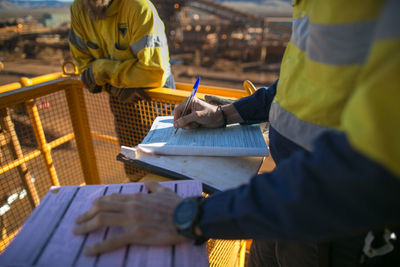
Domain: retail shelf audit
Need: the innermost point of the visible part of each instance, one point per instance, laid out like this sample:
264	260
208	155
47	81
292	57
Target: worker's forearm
255	108
326	194
232	115
127	74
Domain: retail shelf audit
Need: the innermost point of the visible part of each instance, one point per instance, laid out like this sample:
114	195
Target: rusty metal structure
220	32
225	32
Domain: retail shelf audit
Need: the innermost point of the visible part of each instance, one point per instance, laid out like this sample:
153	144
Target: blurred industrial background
223	41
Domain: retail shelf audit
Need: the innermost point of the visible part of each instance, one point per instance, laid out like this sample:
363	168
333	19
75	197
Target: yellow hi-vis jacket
341	72
127	49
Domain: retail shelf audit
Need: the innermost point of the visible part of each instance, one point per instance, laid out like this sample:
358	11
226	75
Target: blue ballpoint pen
189	100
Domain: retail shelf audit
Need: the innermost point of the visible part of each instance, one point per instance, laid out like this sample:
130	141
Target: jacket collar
113	8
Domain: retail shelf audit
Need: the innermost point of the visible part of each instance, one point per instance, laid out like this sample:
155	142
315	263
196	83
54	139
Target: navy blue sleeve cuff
255	108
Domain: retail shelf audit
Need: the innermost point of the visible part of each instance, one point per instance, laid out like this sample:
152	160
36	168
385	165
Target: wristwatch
186	217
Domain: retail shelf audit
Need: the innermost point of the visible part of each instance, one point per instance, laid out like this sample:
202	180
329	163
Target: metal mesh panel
105	141
17	129
22	185
223	253
56	123
113	124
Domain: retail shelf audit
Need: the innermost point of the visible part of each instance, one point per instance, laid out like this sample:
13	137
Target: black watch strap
186	217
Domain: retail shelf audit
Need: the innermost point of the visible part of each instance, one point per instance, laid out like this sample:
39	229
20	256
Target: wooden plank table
46	238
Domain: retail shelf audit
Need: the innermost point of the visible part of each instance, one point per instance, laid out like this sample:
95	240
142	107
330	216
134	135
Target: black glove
88	80
127	94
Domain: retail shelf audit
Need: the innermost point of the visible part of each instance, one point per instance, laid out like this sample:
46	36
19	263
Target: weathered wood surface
46	238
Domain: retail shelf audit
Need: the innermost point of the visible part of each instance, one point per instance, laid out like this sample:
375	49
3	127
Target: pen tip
197	83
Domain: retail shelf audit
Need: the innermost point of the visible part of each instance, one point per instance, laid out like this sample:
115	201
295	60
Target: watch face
185	213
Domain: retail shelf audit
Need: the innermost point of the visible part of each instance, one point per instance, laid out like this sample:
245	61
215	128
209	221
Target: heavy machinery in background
211	30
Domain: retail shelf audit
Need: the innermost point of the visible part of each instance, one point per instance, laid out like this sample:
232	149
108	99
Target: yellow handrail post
80	124
249	86
41	140
15	147
242	253
39	135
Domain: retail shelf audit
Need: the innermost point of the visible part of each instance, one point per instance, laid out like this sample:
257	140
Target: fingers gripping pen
189	100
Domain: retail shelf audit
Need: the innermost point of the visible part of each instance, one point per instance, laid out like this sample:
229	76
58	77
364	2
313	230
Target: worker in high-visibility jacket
120	47
334	54
333	112
335	128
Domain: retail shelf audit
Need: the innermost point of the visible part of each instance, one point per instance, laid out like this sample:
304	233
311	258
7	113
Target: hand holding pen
189	99
194	113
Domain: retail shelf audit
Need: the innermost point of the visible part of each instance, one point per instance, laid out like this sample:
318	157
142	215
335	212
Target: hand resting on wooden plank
147	219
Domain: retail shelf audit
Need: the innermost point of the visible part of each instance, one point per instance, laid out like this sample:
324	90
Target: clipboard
216	173
234	140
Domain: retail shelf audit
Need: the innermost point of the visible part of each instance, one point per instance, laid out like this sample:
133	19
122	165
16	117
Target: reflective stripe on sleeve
301	132
300	33
324	43
77	41
151	40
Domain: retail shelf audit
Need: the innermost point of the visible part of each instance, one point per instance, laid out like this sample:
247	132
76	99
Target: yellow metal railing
93	137
74	94
29	89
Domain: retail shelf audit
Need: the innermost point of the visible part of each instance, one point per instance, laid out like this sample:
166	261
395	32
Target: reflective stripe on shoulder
324	43
150	40
167	71
388	26
77	41
287	124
